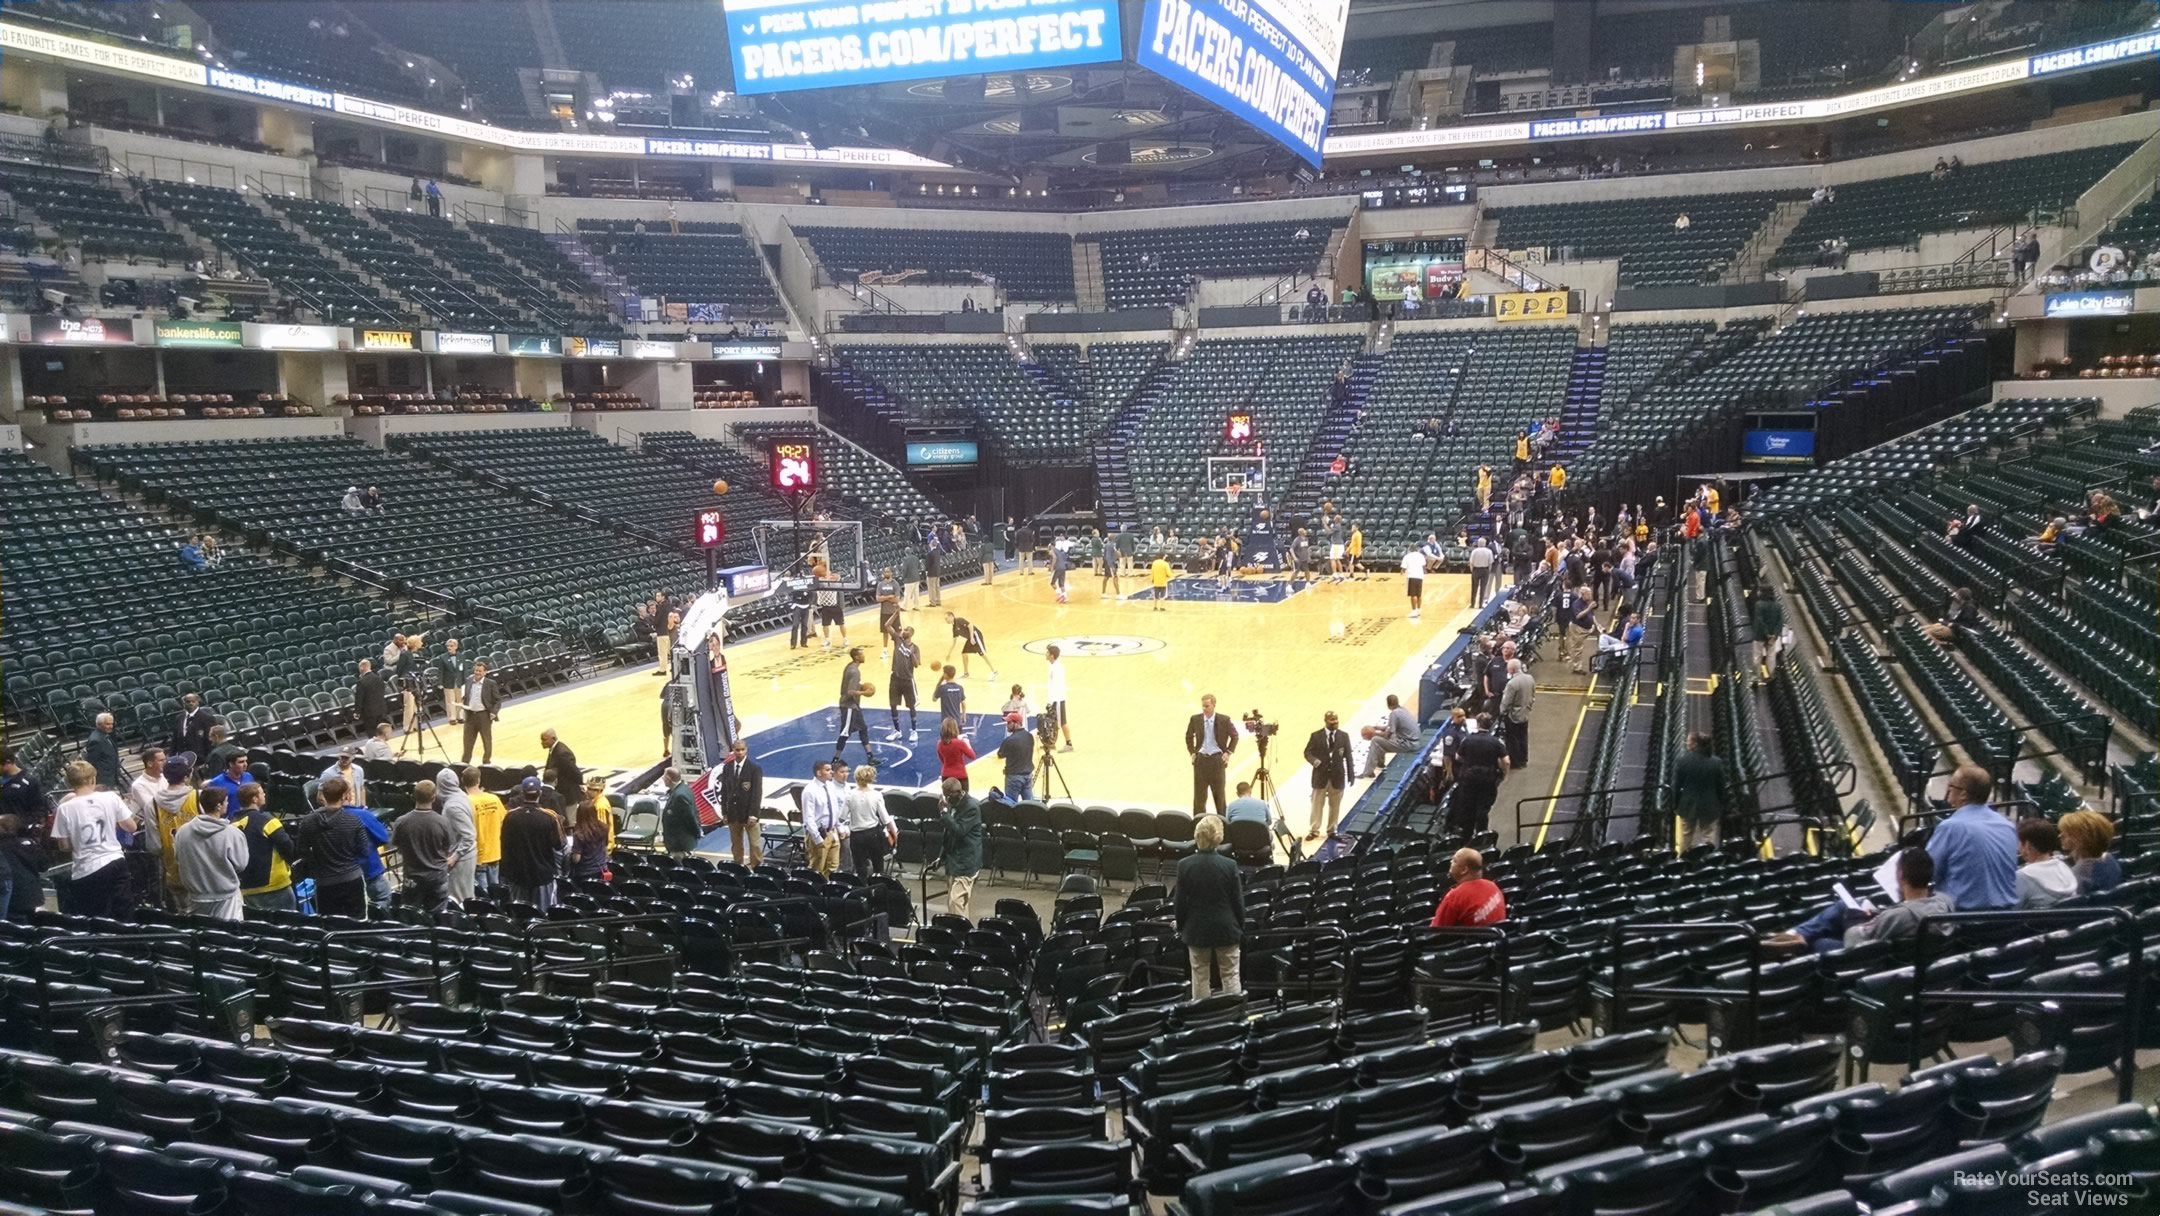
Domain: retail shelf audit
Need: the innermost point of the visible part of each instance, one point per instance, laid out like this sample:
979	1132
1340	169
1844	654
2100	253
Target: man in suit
103	754
679	830
742	789
1328	751
193	734
450	670
480	701
1210	909
371	699
1209	739
562	767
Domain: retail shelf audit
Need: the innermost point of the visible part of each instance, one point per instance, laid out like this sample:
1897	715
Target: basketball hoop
1232	490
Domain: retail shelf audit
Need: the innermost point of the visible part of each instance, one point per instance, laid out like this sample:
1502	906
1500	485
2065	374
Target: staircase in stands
1344	408
1579	416
1113	448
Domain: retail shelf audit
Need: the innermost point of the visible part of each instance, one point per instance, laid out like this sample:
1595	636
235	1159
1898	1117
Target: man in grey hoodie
210	851
457	811
2044	879
1838	927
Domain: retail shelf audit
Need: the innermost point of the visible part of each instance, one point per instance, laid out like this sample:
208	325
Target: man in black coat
482	701
1210	909
371	699
192	735
1209	739
562	768
742	790
1481	764
104	755
1328	751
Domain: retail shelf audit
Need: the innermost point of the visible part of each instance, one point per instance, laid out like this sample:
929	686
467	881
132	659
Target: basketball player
900	690
970	641
1060	562
1054	694
1354	552
888	610
1106	563
951	699
801	599
1334	530
1226	560
1413	568
852	691
829	611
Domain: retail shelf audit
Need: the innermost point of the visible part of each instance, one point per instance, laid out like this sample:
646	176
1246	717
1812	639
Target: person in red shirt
1474	900
953	752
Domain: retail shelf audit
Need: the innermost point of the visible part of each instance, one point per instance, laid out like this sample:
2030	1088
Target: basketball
719	487
869	690
1365	732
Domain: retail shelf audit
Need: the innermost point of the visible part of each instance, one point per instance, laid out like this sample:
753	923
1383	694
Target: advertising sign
464	344
643	348
1777	447
941	454
591	348
536	345
1269	62
386	339
780	46
1433	265
1529	305
2090	303
293	337
88	331
198	333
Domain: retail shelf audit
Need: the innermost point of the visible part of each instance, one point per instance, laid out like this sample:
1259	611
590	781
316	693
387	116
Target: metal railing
180	169
1506	269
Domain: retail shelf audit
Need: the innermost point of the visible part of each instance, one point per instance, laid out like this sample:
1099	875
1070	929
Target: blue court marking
1208	588
791	750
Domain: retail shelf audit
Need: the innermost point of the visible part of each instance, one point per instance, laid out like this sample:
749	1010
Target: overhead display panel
1269	62
780	46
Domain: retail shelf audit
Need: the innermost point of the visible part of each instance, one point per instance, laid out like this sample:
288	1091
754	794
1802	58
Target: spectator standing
587	853
532	843
482	701
1210	910
141	794
174	804
2043	879
1698	793
933	575
104	754
1017	751
1209	740
822	818
1767	615
1517	699
742	794
331	841
425	843
679	827
1975	848
451	668
963	848
20	794
954	752
488	815
210	854
1481	764
371	698
434	198
562	767
1473	900
457	812
266	882
871	832
87	826
235	776
1481	569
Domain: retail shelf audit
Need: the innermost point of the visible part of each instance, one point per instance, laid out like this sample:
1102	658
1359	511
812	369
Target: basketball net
1232	491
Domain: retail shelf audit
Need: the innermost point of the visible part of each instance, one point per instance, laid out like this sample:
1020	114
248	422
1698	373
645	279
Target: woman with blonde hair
2086	836
869	830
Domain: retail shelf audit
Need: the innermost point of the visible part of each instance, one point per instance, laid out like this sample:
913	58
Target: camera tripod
1264	790
1046	765
423	724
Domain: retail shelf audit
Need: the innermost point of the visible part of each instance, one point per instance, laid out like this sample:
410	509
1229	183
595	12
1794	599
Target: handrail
2131	1000
1505	268
1731	928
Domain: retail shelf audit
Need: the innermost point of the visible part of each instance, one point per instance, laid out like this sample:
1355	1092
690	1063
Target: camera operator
1328	751
1209	739
1017	750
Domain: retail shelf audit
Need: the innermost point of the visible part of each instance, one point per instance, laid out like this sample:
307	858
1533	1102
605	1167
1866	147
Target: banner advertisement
941	454
1777	447
641	348
293	337
198	333
745	352
1529	305
780	46
89	331
1269	62
589	348
536	345
386	339
464	344
2091	303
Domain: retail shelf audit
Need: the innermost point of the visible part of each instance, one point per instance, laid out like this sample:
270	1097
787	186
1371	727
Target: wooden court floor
1134	676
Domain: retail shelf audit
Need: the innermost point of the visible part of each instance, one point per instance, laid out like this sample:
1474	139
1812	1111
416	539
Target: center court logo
1097	646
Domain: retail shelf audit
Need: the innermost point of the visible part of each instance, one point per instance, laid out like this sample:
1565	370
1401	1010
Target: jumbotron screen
1269	62
781	46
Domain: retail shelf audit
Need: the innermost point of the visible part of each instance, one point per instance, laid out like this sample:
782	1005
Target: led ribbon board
780	46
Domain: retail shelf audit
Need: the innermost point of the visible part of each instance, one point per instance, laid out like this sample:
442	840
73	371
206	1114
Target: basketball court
1134	676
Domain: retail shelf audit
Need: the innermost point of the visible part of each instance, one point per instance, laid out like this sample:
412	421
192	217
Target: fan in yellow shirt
1158	573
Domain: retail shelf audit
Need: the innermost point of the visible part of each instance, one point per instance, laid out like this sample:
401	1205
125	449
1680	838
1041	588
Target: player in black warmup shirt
906	656
852	690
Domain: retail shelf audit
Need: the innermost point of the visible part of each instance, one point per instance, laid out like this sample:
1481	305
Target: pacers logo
1097	646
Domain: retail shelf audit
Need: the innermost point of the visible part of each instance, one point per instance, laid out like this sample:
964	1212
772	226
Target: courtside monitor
780	46
794	467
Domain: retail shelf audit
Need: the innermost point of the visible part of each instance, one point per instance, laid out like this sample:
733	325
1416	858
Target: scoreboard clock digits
794	467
